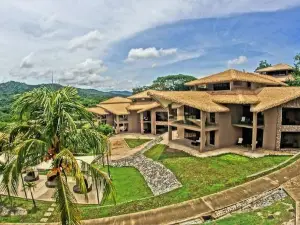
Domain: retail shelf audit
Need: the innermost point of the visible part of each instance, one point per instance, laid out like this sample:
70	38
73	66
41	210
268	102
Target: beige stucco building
221	110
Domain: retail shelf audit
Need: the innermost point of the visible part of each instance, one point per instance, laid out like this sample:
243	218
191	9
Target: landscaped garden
195	174
135	142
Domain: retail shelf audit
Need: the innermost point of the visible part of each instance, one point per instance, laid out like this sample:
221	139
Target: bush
105	129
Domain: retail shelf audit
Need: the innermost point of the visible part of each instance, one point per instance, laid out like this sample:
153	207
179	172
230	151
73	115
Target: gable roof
277	67
236	75
153	105
270	97
196	99
117	109
116	100
140	95
98	110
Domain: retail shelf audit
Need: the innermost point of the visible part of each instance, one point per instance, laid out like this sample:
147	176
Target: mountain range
89	97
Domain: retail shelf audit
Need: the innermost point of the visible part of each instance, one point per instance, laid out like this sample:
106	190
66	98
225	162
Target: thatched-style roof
153	105
139	106
117	109
277	67
274	96
196	99
116	100
98	110
140	95
236	98
236	75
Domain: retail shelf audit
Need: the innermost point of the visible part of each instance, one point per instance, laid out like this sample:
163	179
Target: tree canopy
167	83
53	127
263	64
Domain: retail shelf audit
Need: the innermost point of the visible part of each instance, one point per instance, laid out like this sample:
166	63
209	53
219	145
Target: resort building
282	72
135	114
221	110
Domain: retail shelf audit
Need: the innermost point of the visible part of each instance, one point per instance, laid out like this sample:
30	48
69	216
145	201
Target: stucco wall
227	135
110	119
270	127
134	125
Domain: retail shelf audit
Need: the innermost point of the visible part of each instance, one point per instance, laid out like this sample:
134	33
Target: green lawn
133	143
278	210
129	184
199	177
32	216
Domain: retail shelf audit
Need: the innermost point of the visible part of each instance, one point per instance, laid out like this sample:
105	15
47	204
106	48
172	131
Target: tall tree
263	64
31	186
296	72
53	127
168	83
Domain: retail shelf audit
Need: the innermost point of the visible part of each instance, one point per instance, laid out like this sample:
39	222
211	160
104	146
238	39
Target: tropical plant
263	64
53	127
167	83
105	129
30	186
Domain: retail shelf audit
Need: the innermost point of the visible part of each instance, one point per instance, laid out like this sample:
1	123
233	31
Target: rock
17	211
277	213
270	217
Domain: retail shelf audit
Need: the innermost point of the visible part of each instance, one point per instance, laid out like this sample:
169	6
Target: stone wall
255	202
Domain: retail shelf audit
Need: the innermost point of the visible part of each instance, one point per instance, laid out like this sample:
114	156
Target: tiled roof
236	75
153	105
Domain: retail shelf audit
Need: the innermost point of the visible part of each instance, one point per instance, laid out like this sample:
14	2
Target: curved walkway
207	205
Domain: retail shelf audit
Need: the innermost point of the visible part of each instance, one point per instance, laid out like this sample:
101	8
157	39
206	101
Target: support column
169	127
142	122
153	122
202	134
254	131
118	124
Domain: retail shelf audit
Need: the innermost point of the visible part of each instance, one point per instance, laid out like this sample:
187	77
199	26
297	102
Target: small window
237	83
221	86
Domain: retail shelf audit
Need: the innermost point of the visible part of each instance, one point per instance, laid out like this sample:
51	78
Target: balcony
247	122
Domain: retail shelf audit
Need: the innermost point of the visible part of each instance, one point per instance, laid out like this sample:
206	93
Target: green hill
9	90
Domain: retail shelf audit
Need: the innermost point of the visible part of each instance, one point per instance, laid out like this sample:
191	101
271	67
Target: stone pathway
292	187
48	213
158	177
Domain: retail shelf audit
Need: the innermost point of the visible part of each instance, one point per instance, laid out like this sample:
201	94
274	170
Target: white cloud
237	61
27	61
87	73
88	41
31	26
146	53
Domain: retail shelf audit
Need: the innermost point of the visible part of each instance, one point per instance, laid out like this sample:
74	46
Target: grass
34	215
129	185
199	176
279	210
135	142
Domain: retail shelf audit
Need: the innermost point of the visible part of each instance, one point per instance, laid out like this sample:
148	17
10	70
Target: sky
122	44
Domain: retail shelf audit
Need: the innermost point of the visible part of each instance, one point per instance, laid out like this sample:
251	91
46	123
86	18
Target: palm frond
66	202
108	189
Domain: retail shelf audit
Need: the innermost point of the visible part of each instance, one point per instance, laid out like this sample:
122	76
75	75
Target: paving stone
47	214
50	209
44	220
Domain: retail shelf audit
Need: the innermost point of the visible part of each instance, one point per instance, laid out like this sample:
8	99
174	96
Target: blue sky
123	44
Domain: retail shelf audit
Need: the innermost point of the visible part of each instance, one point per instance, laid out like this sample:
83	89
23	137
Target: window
221	86
290	140
191	113
212	118
161	116
290	116
237	83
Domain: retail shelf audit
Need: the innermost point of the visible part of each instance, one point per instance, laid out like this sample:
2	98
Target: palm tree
53	127
30	186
